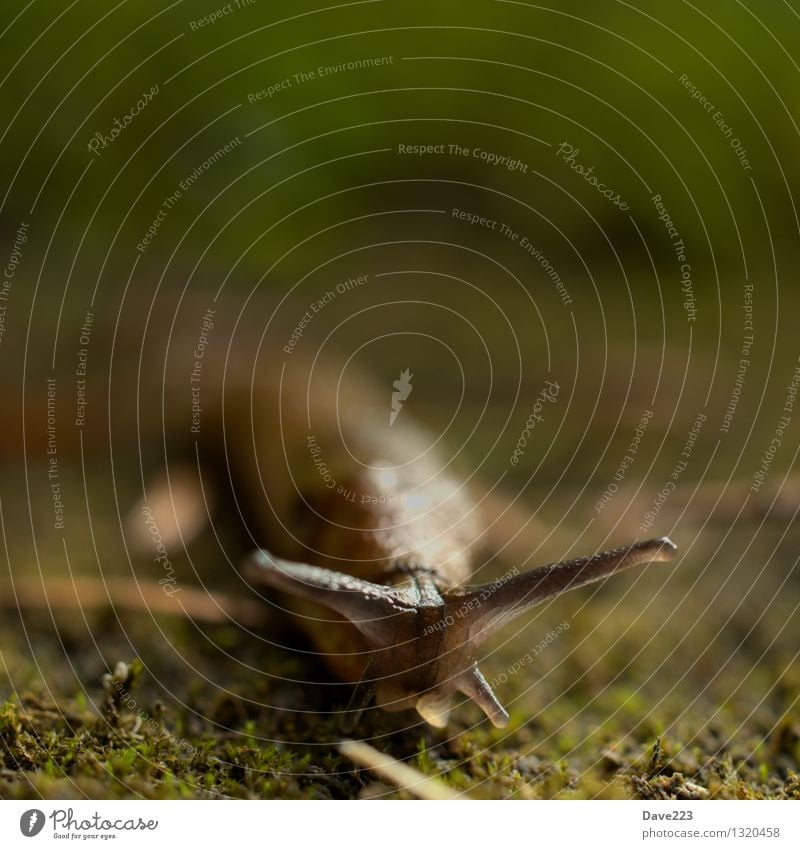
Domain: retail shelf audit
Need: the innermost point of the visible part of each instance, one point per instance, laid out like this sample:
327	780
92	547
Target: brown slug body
386	536
369	534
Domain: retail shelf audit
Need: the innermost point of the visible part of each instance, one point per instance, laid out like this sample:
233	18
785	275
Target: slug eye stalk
423	641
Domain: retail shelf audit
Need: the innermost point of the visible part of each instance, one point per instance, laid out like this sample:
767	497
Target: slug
379	538
357	517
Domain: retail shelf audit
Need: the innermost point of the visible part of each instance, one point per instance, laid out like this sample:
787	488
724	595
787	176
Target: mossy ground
650	693
64	748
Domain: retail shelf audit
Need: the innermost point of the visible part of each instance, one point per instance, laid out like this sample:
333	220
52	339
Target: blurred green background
696	105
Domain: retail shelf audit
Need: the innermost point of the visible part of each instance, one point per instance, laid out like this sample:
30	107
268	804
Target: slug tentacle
473	684
435	707
372	608
488	607
421	643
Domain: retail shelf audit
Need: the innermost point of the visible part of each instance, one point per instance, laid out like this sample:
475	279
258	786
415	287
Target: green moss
622	706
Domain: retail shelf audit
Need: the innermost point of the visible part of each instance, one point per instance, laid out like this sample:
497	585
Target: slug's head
423	643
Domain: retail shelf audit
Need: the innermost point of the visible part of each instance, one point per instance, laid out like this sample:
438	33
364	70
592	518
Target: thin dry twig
403	776
86	593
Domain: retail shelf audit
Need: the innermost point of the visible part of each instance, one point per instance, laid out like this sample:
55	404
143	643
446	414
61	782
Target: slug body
373	539
355	516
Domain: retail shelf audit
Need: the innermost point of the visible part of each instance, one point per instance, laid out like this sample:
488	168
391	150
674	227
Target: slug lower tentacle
423	641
